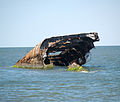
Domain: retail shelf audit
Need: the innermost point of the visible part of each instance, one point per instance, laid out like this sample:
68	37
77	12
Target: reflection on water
101	84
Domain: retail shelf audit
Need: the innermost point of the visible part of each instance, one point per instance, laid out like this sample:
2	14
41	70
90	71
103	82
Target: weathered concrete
60	50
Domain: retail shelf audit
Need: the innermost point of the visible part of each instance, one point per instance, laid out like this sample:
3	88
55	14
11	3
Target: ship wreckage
67	50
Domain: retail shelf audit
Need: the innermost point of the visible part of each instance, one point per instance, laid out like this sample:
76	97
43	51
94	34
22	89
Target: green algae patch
77	69
14	66
49	66
27	67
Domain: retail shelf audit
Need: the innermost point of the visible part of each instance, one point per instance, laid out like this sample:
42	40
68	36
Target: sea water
101	84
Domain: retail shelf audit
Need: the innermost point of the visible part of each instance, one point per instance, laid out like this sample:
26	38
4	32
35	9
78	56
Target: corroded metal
60	50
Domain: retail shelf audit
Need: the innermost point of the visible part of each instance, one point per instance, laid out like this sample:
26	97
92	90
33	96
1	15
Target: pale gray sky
27	22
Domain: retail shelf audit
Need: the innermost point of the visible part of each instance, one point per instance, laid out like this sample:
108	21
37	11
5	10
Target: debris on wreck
60	51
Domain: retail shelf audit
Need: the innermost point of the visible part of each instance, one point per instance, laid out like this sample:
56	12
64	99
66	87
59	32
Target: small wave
89	71
92	71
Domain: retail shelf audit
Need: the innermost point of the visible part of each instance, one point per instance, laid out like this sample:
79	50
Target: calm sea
101	84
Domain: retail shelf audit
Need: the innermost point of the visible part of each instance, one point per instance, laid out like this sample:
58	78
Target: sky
25	23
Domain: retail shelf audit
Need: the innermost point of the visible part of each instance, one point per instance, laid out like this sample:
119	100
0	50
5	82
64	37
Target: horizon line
34	46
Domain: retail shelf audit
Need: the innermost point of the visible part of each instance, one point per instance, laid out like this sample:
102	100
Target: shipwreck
60	51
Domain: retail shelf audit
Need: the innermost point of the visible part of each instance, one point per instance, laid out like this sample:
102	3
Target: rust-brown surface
60	50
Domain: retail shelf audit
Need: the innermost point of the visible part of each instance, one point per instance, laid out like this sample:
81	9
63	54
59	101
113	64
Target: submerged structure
60	51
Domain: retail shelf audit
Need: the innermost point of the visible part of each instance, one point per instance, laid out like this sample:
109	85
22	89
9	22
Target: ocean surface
101	84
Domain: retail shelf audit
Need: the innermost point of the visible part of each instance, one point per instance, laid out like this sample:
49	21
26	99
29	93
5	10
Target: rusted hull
60	51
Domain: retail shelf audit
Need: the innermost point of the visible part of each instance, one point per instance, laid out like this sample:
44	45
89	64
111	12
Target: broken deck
60	50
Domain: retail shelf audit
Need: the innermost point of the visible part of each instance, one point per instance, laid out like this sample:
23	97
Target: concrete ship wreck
67	50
